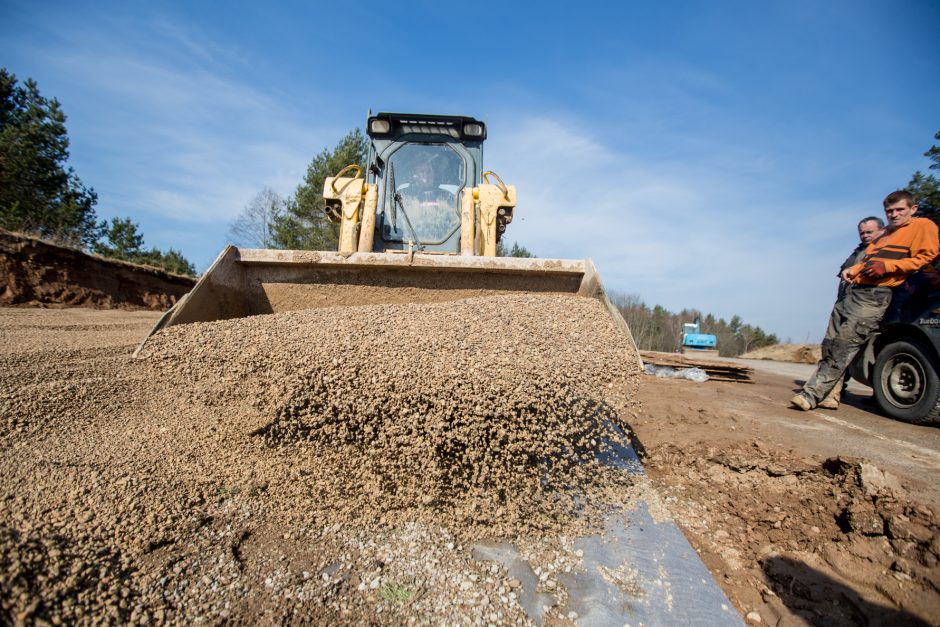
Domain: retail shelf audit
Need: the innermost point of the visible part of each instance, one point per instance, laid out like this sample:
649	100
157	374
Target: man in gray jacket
869	229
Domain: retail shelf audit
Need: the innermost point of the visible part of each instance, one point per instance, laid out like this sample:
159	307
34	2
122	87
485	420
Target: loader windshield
422	189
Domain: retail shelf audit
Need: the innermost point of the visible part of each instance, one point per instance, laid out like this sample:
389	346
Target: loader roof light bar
390	125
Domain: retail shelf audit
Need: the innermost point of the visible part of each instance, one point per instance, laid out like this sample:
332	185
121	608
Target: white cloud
678	236
180	136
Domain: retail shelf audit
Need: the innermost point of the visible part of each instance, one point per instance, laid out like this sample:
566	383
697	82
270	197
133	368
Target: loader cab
420	165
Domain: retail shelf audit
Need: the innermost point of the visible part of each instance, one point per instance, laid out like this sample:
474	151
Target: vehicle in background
694	342
901	361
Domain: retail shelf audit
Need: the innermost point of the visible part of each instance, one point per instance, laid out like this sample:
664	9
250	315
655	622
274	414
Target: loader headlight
378	126
474	129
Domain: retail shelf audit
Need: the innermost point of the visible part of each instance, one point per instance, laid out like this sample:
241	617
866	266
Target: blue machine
694	341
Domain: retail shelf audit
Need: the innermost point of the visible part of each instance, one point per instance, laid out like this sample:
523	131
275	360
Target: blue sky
714	155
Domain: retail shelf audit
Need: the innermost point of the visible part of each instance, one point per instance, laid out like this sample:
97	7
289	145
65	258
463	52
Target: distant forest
658	329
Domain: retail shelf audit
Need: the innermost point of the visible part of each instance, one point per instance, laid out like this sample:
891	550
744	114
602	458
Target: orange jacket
904	250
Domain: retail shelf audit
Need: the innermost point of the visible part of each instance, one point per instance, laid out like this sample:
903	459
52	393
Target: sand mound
426	412
800	353
37	273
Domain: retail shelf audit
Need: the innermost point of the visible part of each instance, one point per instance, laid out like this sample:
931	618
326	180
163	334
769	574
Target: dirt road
823	516
856	429
819	517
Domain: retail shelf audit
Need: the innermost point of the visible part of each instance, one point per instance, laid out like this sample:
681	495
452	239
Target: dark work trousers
852	321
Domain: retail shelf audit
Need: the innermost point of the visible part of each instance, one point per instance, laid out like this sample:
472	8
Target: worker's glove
874	270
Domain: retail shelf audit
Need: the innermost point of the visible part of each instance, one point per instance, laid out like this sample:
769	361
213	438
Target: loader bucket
247	282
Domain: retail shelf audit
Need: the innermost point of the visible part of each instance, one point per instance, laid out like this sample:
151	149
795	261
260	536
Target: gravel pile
309	463
484	415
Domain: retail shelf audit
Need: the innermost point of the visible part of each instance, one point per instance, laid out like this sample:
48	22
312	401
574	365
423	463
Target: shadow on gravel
821	600
634	440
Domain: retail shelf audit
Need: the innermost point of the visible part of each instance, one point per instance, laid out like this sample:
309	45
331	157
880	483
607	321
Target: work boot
801	402
832	399
830	402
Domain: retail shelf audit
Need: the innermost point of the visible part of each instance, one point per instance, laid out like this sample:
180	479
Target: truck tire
906	383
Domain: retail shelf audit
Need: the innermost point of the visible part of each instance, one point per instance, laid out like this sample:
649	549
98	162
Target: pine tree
926	187
302	225
39	193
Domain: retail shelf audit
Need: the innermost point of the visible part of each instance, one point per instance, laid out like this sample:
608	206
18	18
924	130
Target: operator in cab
430	208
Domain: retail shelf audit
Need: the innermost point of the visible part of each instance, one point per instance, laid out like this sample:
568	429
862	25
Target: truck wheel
906	383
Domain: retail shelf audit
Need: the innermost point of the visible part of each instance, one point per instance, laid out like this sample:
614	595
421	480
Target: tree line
41	195
658	329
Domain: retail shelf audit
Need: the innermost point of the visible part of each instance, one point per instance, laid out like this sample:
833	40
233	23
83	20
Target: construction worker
869	229
908	244
426	180
431	209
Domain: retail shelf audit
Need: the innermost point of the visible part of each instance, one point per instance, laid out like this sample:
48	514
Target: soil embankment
36	273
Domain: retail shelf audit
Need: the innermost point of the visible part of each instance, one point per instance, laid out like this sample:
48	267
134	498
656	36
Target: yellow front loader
422	225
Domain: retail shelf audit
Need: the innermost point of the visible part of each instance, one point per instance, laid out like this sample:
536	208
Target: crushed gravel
336	463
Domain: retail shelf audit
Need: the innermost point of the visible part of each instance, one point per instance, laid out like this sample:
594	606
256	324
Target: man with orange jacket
907	245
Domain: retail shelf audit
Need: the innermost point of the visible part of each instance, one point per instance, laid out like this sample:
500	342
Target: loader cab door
419	196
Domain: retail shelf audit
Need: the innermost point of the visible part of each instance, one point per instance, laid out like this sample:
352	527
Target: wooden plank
716	370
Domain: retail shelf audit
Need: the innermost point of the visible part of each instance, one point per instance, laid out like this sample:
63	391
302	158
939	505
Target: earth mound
799	353
37	273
